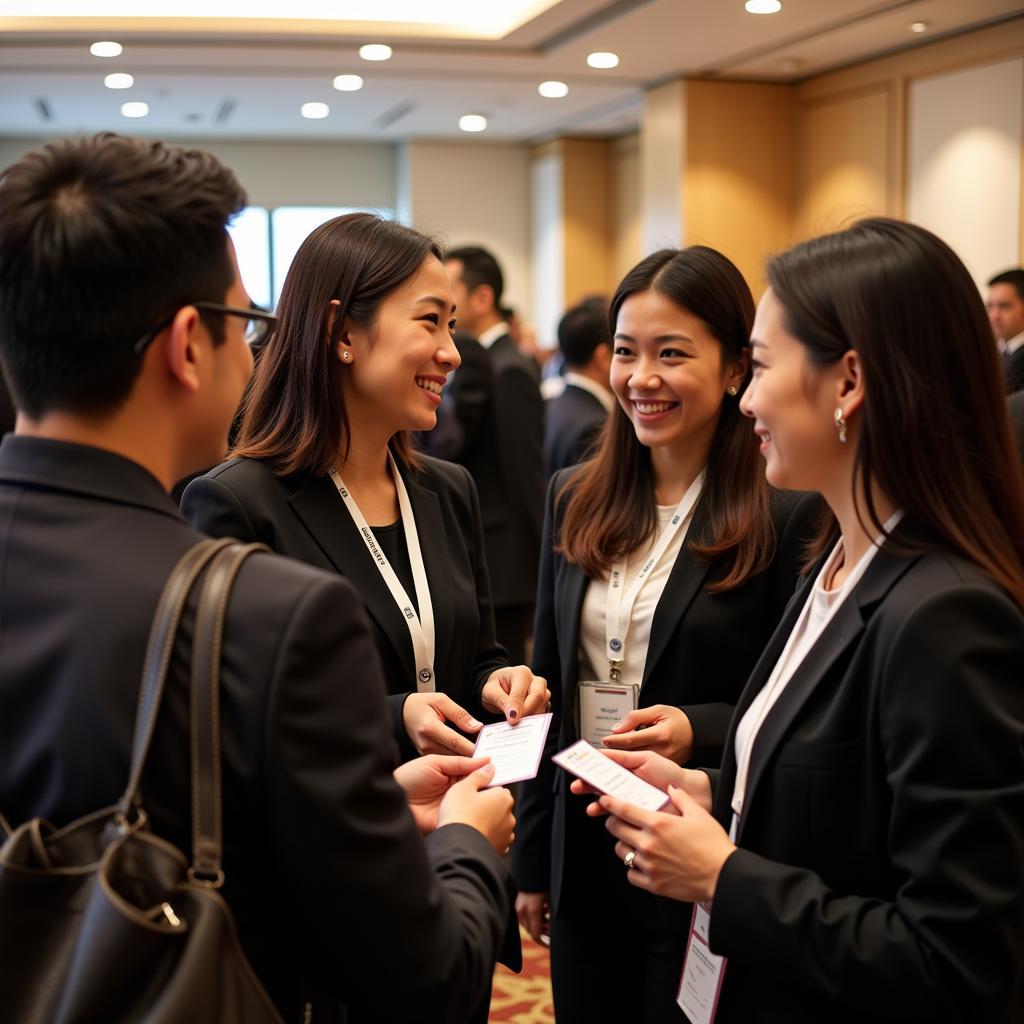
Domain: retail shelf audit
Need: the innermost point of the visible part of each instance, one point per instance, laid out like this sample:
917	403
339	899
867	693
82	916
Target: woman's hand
424	716
534	912
676	855
659	771
662	728
489	811
516	693
427	779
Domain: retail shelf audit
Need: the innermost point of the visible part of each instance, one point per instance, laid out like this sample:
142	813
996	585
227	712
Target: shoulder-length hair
611	505
293	415
935	435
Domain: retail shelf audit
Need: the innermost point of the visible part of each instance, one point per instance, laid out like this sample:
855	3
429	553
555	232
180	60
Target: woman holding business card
666	564
323	471
860	855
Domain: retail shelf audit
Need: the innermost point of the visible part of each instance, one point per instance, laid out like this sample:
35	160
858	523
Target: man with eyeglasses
122	335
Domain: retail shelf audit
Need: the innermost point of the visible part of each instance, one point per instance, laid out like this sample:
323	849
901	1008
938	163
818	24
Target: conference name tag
703	972
603	705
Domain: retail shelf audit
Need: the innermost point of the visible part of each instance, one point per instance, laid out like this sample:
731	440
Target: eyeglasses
258	324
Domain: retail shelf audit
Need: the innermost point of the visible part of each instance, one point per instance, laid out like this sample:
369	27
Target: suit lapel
323	513
684	582
570	590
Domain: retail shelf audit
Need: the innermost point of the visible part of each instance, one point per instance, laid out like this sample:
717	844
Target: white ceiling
249	78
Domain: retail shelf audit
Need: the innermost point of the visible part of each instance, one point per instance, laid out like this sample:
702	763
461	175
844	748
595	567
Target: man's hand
424	716
662	728
516	692
427	779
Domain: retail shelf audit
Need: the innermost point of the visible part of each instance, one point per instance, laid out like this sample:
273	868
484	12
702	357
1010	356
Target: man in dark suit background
7	412
1006	312
121	326
504	452
573	419
1015	405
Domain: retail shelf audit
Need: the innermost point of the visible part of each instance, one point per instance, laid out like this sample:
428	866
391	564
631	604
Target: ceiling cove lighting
348	83
603	59
134	108
314	111
919	26
553	90
763	6
119	80
473	123
106	49
376	51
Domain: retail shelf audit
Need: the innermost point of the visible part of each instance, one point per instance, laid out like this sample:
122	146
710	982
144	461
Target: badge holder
602	704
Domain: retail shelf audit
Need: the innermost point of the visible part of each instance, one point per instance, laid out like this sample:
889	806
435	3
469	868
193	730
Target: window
250	231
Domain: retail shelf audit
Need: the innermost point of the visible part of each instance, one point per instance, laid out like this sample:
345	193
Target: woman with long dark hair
860	855
323	471
666	563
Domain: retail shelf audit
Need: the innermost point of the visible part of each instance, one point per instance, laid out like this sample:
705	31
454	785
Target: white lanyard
619	602
421	627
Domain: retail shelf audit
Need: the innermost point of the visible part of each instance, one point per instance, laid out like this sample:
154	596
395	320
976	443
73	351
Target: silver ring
629	858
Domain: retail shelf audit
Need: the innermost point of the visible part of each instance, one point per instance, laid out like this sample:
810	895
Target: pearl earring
733	390
346	355
840	425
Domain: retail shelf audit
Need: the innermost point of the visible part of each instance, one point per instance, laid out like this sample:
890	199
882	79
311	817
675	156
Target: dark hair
479	267
580	331
935	435
294	415
1013	277
611	510
100	239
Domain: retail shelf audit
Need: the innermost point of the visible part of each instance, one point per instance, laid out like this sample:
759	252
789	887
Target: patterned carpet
524	998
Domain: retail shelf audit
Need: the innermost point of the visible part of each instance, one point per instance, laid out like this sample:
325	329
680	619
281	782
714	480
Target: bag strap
207	817
166	619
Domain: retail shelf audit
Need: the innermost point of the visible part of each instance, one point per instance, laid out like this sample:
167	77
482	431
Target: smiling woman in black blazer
698	624
862	848
323	465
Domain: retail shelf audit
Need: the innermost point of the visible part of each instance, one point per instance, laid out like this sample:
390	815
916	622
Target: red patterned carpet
524	998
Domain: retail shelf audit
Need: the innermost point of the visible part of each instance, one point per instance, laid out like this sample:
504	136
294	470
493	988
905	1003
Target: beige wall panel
662	166
845	157
628	242
739	189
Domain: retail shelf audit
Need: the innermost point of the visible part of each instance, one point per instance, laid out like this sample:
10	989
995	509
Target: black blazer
572	421
702	648
880	874
1014	365
302	516
1015	406
505	458
331	886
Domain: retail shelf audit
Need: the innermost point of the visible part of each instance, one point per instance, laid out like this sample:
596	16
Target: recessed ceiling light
135	108
106	49
314	111
763	6
119	80
375	51
919	26
603	59
473	123
348	83
553	90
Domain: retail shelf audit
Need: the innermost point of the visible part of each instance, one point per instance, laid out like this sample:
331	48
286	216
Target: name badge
602	705
703	972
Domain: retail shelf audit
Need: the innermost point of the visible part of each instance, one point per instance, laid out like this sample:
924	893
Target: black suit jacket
7	410
1015	406
333	890
880	874
302	516
505	458
1015	371
702	648
572	422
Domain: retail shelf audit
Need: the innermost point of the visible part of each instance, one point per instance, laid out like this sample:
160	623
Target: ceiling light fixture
106	49
314	111
134	108
603	59
919	26
348	83
119	80
376	51
763	6
553	90
473	123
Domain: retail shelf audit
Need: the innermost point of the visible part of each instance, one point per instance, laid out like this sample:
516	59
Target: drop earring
840	425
